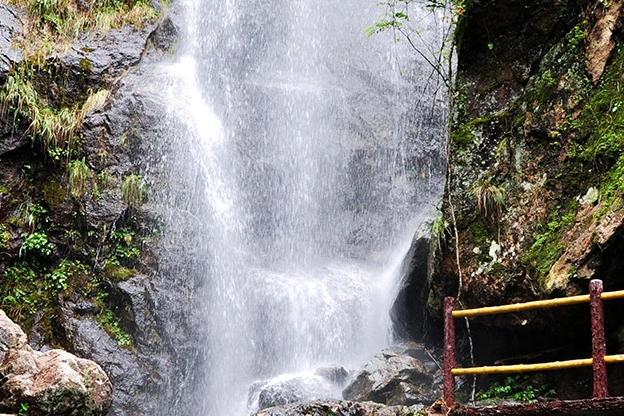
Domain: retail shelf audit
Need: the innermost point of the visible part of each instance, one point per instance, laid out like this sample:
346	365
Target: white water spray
310	164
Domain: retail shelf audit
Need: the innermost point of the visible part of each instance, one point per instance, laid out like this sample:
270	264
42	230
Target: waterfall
306	155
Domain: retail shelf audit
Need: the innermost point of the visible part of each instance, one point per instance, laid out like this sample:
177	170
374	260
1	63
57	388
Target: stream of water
312	154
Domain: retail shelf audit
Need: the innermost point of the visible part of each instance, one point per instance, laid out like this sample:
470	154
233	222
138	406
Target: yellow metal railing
598	361
528	368
538	304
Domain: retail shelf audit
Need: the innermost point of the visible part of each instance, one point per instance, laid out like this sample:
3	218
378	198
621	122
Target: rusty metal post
449	352
599	344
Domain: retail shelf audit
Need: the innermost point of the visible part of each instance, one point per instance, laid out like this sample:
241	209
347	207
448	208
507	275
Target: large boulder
340	408
404	374
53	382
408	310
325	384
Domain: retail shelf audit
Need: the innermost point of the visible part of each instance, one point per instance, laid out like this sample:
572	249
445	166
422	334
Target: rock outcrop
533	204
403	374
11	27
114	304
52	382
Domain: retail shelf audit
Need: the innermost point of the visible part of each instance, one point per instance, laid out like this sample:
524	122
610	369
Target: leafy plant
58	280
23	410
37	243
133	190
78	177
517	389
30	214
109	322
19	282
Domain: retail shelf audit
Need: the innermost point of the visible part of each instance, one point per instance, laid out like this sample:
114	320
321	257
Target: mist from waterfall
306	155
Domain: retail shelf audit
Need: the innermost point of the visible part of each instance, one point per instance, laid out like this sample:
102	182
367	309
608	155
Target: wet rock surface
404	374
340	408
53	382
11	27
289	390
408	311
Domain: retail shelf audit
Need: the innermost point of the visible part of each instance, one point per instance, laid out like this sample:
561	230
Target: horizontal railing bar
537	304
527	368
519	307
618	294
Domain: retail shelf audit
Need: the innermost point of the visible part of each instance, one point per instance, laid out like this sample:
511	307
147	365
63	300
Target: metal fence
598	361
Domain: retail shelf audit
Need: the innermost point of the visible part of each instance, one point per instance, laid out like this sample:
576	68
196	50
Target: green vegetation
438	231
109	322
78	177
58	280
29	214
23	409
36	102
490	199
576	37
133	190
548	244
29	287
465	134
20	294
123	255
63	19
54	128
123	246
516	389
37	243
5	236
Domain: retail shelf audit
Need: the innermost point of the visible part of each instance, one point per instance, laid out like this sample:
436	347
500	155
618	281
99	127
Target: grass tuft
490	200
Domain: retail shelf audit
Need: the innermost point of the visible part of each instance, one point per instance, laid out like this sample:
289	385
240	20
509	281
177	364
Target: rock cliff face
78	235
533	205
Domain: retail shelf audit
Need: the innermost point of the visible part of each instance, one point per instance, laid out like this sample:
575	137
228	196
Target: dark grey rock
340	408
100	59
9	138
408	311
404	374
166	36
131	383
106	209
11	27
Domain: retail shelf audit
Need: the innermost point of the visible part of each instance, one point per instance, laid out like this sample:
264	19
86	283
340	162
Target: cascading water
307	153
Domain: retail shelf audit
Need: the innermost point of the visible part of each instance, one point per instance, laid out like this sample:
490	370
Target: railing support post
449	352
599	344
